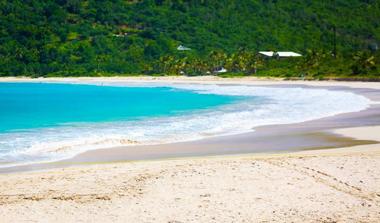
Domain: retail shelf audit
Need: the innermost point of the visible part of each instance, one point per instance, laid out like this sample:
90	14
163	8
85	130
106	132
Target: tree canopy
93	37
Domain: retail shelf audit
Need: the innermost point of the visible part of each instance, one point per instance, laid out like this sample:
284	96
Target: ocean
52	121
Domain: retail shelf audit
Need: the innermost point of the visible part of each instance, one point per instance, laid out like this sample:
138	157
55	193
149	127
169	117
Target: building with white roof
280	54
221	70
182	48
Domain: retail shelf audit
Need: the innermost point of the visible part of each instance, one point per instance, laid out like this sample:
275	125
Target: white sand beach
334	185
196	80
340	185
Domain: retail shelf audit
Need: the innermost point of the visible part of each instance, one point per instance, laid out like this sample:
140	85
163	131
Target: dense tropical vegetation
338	38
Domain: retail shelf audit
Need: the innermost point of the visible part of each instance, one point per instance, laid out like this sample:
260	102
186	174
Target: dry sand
339	185
197	80
336	185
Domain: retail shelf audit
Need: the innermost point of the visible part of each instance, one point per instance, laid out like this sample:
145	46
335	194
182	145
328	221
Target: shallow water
42	122
33	105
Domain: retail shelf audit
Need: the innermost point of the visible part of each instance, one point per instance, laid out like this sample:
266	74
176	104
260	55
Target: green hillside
73	37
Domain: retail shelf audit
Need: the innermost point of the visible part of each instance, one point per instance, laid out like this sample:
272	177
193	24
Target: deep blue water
25	106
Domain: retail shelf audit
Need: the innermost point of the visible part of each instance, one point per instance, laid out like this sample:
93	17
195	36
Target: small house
183	48
279	54
221	70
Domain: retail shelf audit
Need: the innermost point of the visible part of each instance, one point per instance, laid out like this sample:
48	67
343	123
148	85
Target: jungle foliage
116	37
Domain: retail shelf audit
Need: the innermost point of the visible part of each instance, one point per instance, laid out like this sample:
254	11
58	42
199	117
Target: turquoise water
51	121
25	106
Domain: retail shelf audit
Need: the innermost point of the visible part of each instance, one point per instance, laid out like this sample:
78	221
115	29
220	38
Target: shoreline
291	185
337	185
307	136
249	80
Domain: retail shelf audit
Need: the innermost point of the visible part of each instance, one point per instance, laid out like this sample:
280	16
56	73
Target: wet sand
281	173
336	185
309	135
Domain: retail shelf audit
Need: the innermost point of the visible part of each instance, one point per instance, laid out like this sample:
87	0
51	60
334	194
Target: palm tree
363	62
258	63
165	64
244	61
217	59
247	62
312	61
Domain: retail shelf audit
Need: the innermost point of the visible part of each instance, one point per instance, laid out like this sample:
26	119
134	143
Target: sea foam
259	106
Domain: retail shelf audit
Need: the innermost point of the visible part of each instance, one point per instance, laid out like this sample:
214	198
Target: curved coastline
315	134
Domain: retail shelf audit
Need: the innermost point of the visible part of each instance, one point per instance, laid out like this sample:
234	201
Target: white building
120	35
182	48
280	54
221	71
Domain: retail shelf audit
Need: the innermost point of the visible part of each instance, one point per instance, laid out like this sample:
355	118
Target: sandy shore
335	185
197	80
309	135
340	185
